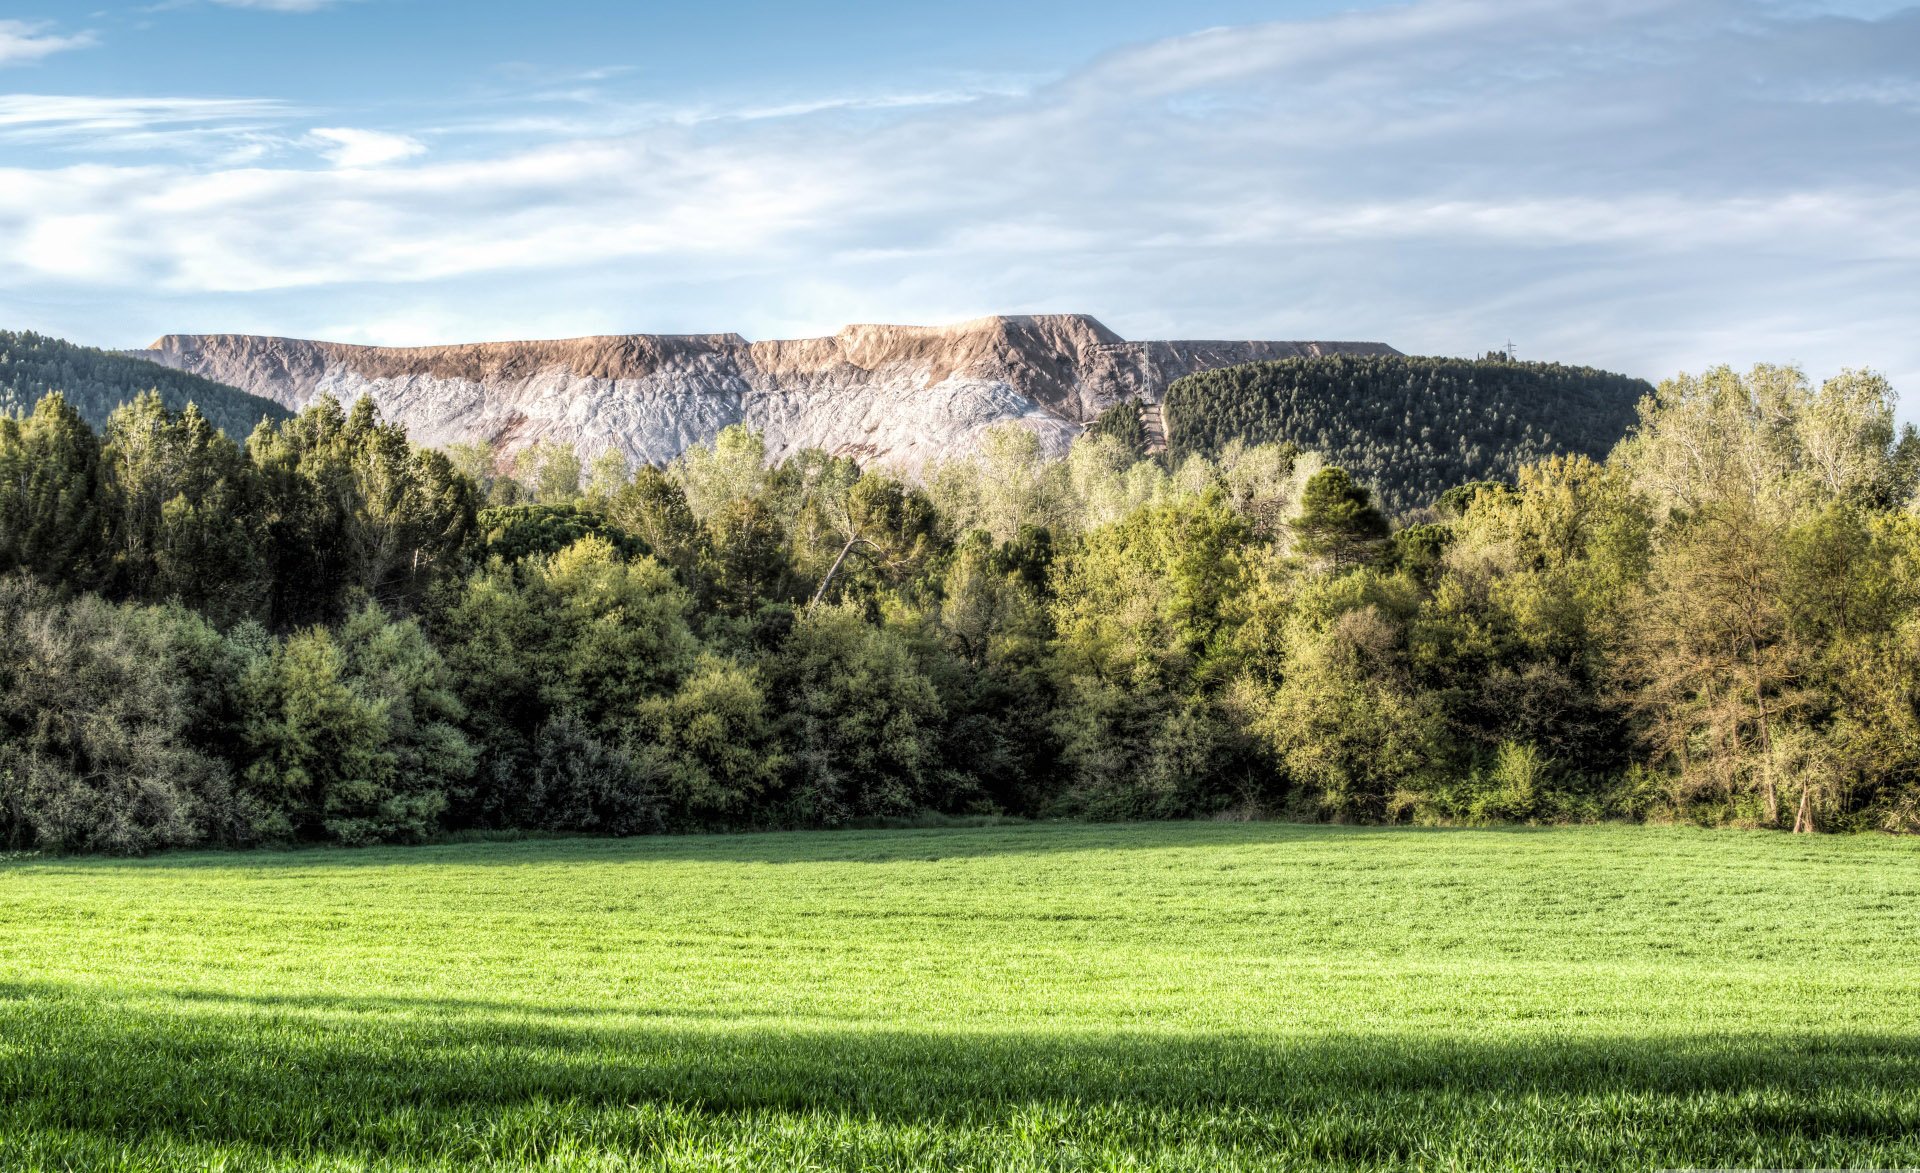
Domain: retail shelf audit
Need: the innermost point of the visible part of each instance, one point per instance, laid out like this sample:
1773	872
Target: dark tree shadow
366	1078
893	845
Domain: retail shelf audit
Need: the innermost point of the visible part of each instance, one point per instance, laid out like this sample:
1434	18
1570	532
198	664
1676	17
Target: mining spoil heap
893	395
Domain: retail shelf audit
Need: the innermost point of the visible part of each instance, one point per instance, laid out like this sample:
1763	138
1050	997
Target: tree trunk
833	570
1770	794
1803	822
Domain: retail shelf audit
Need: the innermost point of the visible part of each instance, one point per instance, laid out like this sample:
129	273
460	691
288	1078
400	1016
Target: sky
1644	185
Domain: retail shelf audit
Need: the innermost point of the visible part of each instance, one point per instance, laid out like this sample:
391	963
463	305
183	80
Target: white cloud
347	147
1642	184
22	41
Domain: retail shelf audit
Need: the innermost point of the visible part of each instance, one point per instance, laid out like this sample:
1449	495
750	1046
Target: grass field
1194	996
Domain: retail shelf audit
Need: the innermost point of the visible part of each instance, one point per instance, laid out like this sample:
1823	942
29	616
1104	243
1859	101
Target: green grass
1198	996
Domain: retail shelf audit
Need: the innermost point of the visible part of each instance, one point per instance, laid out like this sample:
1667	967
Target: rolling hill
97	381
1411	427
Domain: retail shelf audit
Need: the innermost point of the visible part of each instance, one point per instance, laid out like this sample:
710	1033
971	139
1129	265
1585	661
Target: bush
713	742
352	738
98	707
580	783
861	717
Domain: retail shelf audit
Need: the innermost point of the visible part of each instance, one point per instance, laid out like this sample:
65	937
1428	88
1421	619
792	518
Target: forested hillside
97	381
1124	423
1411	427
331	635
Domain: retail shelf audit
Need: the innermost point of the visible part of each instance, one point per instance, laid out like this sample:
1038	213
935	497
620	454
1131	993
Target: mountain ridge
890	394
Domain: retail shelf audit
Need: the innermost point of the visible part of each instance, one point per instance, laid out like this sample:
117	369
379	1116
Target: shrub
97	711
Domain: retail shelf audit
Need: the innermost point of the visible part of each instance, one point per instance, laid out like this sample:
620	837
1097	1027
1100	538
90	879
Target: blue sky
1647	185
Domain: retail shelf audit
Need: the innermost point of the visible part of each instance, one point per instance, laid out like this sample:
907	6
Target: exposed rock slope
896	395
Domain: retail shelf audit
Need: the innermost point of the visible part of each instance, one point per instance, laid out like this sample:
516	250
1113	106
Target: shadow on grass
457	1082
906	845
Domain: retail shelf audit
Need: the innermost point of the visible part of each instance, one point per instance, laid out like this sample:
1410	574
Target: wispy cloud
569	105
23	41
222	131
279	5
81	114
922	99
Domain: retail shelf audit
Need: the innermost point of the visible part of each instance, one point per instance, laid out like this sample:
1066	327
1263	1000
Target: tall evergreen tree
57	511
189	525
1338	524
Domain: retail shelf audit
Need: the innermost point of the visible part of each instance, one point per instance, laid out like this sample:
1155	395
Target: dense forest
326	634
95	382
1409	427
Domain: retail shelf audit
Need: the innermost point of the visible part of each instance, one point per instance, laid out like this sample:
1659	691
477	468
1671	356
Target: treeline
328	635
95	382
1409	426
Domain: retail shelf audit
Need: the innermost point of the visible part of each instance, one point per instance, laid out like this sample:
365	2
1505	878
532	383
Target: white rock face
895	396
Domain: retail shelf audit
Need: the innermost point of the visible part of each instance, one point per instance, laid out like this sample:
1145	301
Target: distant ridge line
893	394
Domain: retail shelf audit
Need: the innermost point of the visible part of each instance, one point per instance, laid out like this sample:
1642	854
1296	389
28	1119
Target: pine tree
56	512
1338	524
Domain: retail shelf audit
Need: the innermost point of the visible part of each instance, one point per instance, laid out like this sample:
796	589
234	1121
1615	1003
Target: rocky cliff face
892	395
